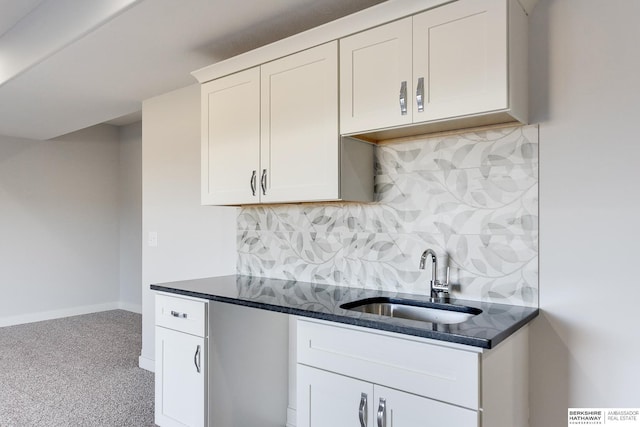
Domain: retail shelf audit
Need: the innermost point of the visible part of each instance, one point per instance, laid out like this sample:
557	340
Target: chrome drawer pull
178	314
263	182
382	413
253	183
420	95
403	98
196	359
362	411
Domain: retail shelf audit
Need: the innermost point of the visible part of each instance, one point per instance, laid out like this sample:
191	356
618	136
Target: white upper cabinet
270	135
460	59
299	133
290	128
375	77
455	61
231	139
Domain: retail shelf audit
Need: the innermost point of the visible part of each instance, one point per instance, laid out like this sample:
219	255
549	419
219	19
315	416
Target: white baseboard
291	417
57	314
134	308
148	364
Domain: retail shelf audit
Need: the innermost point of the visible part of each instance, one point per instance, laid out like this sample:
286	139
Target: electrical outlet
153	239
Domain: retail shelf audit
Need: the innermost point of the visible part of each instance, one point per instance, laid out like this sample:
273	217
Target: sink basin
414	310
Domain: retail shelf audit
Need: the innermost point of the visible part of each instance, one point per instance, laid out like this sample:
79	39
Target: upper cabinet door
299	143
460	59
231	139
375	75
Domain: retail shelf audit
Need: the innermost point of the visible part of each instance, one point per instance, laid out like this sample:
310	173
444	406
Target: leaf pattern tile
473	198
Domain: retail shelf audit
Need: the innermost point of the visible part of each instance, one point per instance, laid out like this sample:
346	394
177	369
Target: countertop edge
486	343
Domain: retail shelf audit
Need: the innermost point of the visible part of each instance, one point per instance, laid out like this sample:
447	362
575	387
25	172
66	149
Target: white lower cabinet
350	376
181	362
219	365
329	399
180	378
399	409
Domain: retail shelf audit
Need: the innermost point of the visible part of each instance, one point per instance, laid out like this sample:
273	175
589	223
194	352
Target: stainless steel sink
414	310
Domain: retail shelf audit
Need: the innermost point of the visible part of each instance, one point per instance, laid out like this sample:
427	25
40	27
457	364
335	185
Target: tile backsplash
472	198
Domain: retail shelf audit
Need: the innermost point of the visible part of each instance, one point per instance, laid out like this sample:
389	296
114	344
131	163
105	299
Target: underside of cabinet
356	170
456	124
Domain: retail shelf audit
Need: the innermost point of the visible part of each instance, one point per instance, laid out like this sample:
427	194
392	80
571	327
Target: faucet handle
442	287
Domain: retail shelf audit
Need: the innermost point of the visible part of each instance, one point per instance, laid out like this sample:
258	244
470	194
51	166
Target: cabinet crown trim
371	17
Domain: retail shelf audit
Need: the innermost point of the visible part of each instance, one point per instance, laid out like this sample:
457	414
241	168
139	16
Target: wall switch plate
153	239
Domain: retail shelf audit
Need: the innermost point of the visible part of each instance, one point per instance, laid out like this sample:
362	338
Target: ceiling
69	64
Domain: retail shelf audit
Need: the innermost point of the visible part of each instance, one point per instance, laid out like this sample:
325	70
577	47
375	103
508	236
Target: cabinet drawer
181	314
438	372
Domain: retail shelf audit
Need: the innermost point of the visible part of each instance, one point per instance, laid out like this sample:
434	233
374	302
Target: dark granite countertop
486	330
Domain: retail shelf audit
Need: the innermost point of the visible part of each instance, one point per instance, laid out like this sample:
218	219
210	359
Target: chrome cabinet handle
420	94
362	411
178	314
263	182
196	359
382	413
253	183
403	98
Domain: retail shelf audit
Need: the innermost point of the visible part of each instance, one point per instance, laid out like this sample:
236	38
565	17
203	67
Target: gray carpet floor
77	371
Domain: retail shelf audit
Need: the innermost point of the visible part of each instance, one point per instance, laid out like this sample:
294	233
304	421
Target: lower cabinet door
325	399
395	408
180	379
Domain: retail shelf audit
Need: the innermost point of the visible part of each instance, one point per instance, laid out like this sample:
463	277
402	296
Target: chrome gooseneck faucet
438	291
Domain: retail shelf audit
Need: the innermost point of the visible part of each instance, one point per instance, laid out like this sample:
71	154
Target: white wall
130	216
584	64
59	234
70	224
193	240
